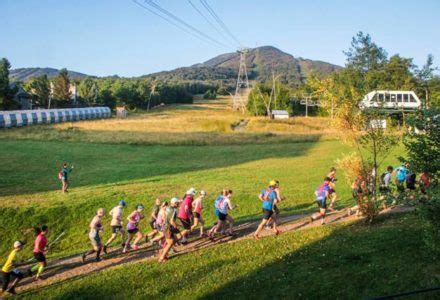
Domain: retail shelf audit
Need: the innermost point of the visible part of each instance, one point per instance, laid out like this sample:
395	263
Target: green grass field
332	260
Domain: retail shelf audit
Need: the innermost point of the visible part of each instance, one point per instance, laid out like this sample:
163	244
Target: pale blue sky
106	37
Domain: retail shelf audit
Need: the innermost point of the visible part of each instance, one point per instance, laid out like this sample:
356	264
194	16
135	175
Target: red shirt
40	243
185	208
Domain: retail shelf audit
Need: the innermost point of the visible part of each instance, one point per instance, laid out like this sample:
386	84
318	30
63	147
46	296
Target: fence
18	118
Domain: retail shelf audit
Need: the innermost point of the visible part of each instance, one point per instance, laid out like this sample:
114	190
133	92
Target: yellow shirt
9	264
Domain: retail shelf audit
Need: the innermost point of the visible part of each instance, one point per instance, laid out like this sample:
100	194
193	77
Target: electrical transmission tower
242	89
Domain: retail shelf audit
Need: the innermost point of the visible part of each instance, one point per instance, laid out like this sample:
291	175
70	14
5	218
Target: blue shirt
401	173
321	191
271	196
216	201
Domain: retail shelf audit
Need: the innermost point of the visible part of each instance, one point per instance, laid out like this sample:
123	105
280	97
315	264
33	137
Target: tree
424	76
88	91
422	142
39	88
6	94
61	88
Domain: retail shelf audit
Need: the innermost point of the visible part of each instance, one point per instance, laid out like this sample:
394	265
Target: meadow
165	152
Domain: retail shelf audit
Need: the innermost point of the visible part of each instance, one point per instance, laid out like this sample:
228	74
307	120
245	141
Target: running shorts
39	257
276	210
221	216
322	203
6	277
152	222
171	232
95	240
267	213
133	231
116	228
186	223
197	215
331	191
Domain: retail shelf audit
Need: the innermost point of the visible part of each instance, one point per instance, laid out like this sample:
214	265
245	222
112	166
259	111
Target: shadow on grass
32	166
353	262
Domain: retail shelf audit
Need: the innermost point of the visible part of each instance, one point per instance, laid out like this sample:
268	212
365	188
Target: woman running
171	232
8	270
116	224
159	225
322	193
197	213
40	252
153	219
95	239
132	228
223	205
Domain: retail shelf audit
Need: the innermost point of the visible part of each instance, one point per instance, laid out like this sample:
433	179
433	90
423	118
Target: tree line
143	93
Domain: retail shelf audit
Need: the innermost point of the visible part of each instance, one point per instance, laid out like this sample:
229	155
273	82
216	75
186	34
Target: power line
166	19
219	21
207	20
177	19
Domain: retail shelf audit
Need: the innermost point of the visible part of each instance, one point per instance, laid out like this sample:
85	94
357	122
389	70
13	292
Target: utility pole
242	88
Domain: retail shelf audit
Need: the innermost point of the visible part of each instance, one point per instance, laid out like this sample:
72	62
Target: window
387	97
405	98
381	97
393	98
399	97
411	98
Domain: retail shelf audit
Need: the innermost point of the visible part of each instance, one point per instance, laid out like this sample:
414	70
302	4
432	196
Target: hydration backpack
60	175
266	195
401	174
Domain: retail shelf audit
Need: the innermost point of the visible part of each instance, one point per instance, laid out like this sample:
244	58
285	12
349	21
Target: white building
279	114
392	100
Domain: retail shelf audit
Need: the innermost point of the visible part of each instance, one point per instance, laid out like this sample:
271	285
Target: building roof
280	112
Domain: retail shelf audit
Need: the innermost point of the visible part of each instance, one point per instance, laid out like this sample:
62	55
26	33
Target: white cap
17	244
191	191
203	193
175	200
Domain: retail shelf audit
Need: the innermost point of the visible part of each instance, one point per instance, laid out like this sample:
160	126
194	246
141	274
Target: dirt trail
64	269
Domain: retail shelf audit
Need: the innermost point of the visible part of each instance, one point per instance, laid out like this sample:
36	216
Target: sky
119	37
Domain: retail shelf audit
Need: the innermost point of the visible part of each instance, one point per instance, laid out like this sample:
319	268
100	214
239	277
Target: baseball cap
122	202
17	244
175	200
140	206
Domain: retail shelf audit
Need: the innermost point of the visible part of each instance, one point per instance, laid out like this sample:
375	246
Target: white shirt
116	214
224	206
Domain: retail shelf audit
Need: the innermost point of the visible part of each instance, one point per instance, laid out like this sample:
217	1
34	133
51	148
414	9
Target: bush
430	212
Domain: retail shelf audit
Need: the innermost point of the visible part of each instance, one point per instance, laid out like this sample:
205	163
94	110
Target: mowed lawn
344	261
104	174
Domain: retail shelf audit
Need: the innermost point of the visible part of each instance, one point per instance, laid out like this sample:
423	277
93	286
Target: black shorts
222	217
171	232
152	222
133	231
267	214
39	257
322	203
331	191
197	215
6	277
411	187
116	228
186	223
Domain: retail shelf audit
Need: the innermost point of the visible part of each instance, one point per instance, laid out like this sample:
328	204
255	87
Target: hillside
261	62
23	74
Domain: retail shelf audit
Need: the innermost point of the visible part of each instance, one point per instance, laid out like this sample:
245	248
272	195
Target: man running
63	176
116	224
171	232
269	198
8	270
322	193
185	214
40	252
153	218
95	239
197	213
132	228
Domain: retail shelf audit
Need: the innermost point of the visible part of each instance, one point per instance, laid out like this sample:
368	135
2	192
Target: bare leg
260	227
169	244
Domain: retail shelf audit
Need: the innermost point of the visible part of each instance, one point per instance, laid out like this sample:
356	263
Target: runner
160	224
322	193
401	173
40	252
424	182
9	271
62	175
171	232
153	218
332	192
223	205
185	214
197	213
269	197
95	239
385	180
132	228
116	224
